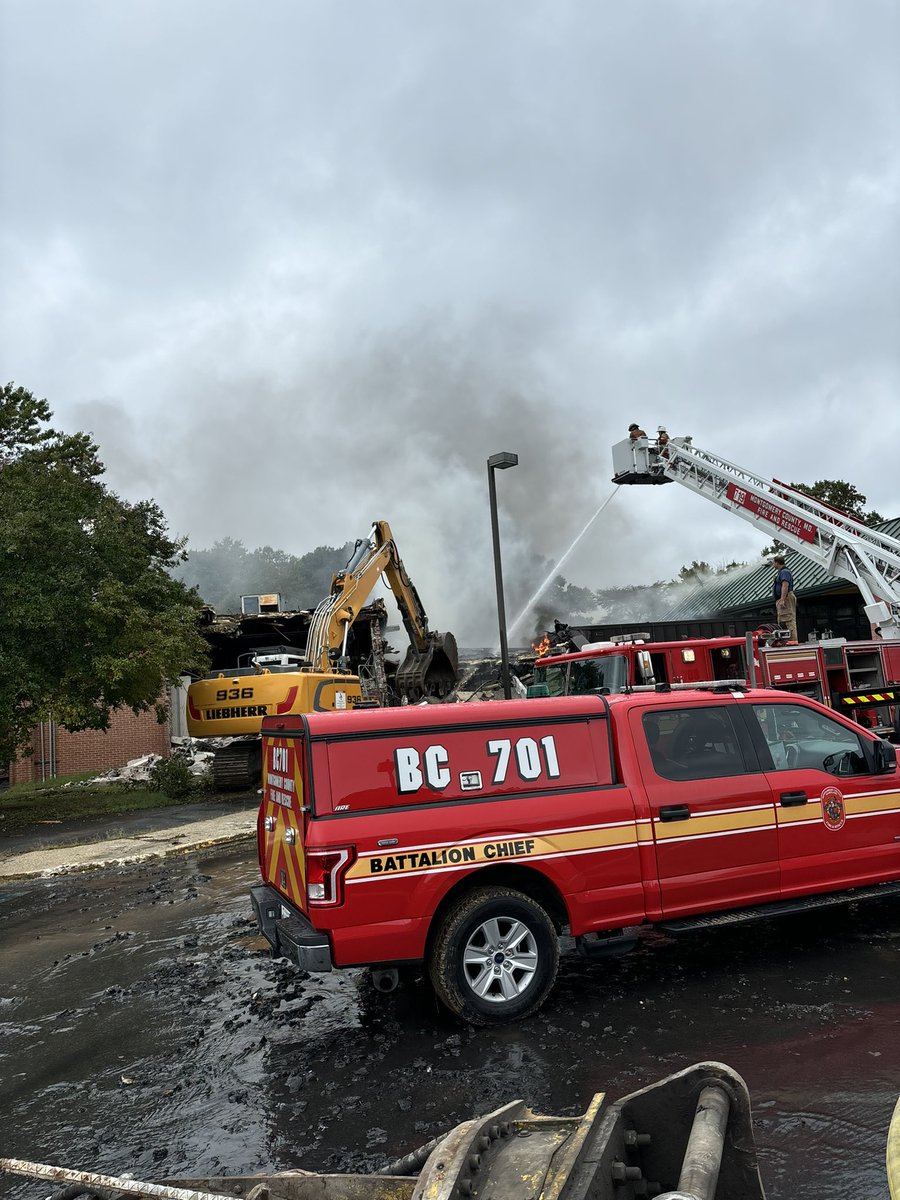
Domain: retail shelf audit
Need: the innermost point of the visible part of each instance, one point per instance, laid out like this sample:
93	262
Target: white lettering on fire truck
532	759
279	784
280	781
410	775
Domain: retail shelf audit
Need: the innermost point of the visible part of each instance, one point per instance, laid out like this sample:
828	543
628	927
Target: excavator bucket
431	673
687	1137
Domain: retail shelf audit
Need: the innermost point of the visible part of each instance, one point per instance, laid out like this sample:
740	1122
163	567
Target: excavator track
238	766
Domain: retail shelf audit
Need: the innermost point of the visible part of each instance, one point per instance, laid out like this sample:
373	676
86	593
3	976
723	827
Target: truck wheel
494	957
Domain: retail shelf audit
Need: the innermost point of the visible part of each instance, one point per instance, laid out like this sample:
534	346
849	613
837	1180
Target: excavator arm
834	541
431	665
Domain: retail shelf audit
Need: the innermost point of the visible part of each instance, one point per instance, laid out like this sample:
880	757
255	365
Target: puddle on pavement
146	1029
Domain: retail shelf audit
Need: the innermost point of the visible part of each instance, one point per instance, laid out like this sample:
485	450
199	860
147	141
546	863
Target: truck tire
494	957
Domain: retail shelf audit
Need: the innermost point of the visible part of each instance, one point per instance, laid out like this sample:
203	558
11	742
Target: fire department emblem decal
833	814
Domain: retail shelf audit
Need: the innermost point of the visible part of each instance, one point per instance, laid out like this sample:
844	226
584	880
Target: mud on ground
146	1028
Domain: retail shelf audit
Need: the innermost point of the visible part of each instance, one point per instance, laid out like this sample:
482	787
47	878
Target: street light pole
499	462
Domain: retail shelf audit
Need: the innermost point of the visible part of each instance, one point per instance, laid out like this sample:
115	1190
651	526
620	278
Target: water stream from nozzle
552	575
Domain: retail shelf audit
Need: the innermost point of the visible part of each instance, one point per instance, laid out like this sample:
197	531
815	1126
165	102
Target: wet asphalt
144	1027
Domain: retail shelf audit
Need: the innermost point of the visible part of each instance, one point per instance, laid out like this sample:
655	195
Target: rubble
479	677
197	753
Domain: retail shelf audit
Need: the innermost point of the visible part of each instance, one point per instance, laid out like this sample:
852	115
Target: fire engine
848	676
859	678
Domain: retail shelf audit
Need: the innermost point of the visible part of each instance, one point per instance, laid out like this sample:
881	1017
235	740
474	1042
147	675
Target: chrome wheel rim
500	959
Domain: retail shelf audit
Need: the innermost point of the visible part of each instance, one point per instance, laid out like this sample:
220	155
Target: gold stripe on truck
490	851
698	826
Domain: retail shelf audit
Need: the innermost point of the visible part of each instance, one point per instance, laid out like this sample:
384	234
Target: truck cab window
800	738
554	678
590	674
693	743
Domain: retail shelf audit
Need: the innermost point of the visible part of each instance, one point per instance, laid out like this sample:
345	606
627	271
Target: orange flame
542	647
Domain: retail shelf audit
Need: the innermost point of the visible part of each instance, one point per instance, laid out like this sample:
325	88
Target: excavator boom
431	665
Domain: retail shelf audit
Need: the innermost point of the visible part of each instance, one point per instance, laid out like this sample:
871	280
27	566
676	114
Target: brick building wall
60	752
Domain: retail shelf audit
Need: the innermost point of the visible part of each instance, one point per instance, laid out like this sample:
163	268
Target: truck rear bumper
288	931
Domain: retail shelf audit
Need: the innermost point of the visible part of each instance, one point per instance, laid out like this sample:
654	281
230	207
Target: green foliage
845	496
29	806
838	494
90	616
172	777
228	570
699	572
696	573
633	602
564	601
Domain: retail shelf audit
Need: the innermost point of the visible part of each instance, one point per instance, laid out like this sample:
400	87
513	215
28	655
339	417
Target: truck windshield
585	675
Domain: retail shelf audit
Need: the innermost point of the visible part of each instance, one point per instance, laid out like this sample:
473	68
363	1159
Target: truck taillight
325	870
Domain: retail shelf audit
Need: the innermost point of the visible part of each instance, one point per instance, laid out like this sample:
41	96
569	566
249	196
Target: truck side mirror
645	666
885	757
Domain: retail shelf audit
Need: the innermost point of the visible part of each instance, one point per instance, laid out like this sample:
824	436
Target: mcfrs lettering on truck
469	837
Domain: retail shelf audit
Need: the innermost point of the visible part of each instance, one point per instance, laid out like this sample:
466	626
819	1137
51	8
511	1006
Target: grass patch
30	807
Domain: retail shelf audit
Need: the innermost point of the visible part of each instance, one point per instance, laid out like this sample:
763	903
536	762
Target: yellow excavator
232	705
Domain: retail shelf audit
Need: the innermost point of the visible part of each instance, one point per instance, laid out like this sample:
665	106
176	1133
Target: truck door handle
793	799
674	812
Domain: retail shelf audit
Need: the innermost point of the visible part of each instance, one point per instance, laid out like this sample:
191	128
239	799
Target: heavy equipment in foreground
688	1136
281	679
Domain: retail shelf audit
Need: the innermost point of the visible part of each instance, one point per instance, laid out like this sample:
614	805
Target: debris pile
197	753
479	677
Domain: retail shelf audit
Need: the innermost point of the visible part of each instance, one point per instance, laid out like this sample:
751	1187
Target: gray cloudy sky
299	265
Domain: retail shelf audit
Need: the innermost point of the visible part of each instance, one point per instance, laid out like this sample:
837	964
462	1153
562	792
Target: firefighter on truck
468	838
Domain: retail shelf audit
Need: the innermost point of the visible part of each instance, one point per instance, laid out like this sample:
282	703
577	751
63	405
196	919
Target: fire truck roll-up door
795	669
283	813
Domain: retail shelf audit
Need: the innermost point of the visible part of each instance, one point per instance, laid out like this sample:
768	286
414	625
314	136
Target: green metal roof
751	587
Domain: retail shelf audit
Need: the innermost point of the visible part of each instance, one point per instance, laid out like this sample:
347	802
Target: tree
227	570
701	572
90	616
845	496
697	572
563	601
838	494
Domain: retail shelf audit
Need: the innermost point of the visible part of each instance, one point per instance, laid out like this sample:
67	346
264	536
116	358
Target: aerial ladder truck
843	547
834	541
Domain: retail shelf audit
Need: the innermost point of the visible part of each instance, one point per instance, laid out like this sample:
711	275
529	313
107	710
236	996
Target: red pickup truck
470	836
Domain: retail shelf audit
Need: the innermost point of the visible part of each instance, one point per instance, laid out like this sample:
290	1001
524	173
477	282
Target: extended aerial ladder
430	667
828	537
